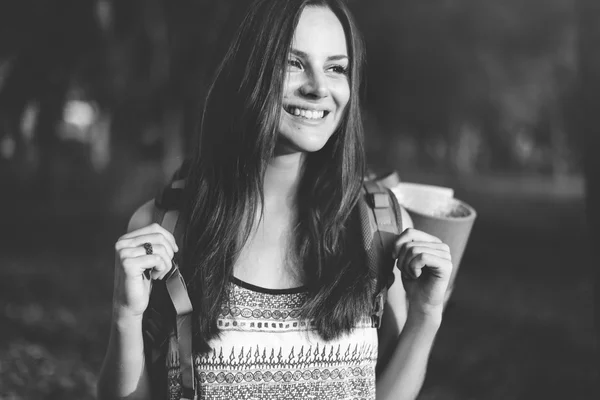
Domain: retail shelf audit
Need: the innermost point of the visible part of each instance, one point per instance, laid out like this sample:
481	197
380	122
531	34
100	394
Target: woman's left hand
426	265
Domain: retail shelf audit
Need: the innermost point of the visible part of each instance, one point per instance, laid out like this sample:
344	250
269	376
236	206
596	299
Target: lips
306	112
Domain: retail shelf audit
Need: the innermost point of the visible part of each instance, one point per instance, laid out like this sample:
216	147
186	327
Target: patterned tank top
266	351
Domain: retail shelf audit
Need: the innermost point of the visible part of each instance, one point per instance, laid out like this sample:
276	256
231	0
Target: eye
294	64
339	69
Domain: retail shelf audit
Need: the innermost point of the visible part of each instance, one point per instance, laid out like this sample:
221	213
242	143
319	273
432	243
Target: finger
417	251
436	266
409	250
156	273
138	251
152	229
166	253
412	235
135	266
160	267
159	273
165	272
153	238
405	276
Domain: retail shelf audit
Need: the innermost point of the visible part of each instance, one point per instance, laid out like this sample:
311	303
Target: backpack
169	312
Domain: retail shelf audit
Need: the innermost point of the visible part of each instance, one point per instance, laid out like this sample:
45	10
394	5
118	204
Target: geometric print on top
265	351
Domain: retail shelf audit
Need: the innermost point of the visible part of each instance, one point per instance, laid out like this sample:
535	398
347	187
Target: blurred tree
163	55
485	80
45	43
475	84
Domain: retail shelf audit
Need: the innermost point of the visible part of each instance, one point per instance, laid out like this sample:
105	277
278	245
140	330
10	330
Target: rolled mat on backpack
434	210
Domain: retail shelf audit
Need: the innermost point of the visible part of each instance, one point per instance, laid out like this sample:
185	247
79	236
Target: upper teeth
310	114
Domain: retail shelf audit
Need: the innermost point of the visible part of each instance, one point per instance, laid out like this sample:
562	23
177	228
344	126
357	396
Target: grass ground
519	325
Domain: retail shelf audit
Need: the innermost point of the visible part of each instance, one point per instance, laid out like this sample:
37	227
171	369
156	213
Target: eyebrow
330	58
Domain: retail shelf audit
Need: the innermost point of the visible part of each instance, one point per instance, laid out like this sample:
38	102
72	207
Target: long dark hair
224	189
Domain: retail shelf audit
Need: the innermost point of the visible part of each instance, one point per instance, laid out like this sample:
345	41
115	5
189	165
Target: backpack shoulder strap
167	205
381	223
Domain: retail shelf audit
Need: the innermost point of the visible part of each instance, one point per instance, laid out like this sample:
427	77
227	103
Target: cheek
291	84
341	93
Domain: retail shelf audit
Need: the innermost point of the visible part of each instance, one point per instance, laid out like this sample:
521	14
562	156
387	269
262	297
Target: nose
315	85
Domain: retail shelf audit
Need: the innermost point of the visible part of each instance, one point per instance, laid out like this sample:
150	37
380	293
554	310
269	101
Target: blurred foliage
474	85
30	370
477	84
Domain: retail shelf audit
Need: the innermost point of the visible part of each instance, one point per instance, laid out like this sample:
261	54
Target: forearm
123	374
403	376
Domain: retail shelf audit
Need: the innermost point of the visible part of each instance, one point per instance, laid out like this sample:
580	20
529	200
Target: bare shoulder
142	217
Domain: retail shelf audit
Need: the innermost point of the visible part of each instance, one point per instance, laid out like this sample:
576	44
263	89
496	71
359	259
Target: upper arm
396	308
392	320
142	217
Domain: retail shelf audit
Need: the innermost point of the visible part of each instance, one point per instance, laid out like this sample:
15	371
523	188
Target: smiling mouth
305	113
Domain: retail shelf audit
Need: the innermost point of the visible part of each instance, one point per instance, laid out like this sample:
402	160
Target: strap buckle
378	306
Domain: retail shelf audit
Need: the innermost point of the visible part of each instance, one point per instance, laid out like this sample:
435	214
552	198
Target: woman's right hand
132	287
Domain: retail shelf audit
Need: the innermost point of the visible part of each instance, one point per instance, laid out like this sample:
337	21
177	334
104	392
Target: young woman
281	293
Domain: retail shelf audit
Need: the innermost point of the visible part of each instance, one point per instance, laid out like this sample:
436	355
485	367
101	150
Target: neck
282	179
269	255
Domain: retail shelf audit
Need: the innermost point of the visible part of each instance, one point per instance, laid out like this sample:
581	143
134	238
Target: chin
303	143
286	146
304	139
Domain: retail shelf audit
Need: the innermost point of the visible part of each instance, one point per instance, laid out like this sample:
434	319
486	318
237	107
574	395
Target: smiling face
316	87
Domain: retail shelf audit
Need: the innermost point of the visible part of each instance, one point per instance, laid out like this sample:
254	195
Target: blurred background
494	98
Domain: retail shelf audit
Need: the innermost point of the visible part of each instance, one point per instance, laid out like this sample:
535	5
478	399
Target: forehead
320	33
